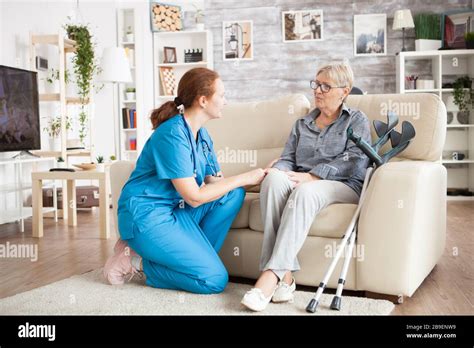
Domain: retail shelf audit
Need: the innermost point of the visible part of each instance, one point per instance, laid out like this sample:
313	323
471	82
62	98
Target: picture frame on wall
301	26
237	40
165	17
169	54
454	24
370	34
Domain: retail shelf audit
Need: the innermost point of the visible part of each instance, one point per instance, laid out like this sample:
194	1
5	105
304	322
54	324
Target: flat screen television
19	110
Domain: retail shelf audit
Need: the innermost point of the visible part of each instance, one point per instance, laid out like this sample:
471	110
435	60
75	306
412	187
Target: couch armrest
402	227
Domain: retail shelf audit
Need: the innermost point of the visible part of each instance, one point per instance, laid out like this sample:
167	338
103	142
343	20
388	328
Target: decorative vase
100	167
453	108
427	45
129	37
130	95
55	144
51	88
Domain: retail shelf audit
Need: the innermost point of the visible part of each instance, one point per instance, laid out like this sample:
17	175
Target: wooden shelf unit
446	66
65	46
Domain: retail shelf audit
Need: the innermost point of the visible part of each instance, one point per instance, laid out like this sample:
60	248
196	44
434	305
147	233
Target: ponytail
163	113
194	83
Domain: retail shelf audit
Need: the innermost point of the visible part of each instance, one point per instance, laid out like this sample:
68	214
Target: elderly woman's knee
275	177
305	193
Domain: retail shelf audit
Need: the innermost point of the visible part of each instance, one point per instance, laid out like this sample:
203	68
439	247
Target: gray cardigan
328	153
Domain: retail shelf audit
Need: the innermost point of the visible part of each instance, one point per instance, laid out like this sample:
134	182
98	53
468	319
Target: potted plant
61	163
113	158
199	18
85	66
427	31
130	93
100	163
54	130
462	99
469	38
129	37
52	81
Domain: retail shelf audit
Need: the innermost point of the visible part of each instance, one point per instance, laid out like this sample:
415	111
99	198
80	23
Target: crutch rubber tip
312	305
336	303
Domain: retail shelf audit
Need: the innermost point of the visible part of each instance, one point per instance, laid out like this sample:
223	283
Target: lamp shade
114	65
402	19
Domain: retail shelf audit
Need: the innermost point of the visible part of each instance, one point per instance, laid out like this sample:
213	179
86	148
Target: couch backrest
119	173
260	129
425	111
253	133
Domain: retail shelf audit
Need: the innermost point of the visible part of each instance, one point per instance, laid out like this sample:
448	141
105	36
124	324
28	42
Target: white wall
20	17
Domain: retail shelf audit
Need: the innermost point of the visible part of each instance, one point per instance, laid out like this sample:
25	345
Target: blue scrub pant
181	253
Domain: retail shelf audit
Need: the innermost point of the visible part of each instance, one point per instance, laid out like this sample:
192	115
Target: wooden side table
70	193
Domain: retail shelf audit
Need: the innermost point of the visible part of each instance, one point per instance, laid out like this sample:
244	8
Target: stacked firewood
166	18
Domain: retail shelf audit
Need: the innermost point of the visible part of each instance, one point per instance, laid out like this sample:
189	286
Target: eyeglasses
325	88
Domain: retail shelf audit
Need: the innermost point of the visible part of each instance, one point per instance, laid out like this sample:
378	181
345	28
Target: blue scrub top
168	154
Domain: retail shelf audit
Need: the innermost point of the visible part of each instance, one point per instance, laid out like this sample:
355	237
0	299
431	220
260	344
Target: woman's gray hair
340	73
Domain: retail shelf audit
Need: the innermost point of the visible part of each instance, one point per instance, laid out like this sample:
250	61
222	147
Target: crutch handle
365	147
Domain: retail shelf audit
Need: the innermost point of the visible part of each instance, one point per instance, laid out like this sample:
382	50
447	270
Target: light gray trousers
288	213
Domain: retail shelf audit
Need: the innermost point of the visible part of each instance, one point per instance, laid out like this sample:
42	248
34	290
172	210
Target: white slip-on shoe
284	292
255	300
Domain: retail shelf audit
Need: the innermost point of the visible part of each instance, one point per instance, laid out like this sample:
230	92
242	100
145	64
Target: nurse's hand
254	177
269	170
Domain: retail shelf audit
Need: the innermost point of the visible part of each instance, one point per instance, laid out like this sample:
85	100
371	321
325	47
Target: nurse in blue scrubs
176	208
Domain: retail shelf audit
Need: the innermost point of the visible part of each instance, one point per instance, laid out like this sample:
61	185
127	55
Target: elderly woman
319	166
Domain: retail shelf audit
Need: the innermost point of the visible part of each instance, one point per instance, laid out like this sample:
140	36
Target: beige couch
402	225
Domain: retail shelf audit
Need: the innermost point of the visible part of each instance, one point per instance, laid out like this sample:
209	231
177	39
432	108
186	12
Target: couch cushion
331	222
242	218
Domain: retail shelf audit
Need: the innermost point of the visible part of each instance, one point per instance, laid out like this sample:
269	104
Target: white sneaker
255	300
284	292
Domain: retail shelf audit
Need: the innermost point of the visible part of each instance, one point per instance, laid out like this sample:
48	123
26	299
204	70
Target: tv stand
25	154
16	210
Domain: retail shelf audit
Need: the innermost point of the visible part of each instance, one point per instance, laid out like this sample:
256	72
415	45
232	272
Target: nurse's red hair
195	83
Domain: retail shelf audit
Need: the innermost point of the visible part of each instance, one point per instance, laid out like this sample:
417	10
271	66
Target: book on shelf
129	118
132	143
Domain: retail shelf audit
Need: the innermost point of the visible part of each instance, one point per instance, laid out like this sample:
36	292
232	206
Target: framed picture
454	25
165	17
168	80
298	26
169	55
237	42
370	35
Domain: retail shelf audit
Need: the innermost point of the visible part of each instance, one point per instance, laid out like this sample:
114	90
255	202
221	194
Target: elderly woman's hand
301	178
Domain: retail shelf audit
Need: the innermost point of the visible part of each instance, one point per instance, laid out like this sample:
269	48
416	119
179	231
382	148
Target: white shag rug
89	294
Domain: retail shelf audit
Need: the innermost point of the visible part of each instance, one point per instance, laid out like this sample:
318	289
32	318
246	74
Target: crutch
385	132
399	142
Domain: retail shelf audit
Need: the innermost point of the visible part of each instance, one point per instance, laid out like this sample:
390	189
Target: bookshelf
130	105
446	66
180	41
65	46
